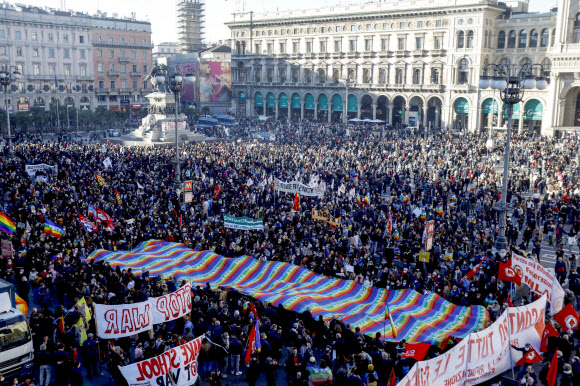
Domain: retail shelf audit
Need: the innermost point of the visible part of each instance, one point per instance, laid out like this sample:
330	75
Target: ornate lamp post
511	82
175	81
9	75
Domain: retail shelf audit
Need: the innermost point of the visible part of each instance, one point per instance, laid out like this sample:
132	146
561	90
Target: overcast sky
162	14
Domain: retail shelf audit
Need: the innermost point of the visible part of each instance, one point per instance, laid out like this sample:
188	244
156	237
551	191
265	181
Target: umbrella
377	121
367	120
355	120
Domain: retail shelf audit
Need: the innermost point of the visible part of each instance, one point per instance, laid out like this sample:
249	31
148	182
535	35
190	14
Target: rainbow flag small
92	212
439	210
6	225
453	198
367	199
358	201
53	229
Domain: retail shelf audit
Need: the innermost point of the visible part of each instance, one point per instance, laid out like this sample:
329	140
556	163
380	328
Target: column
405	117
374	111
328	113
438	116
390	113
423	116
316	109
276	73
289	108
345	110
263	78
358	106
500	115
288	74
302	101
276	109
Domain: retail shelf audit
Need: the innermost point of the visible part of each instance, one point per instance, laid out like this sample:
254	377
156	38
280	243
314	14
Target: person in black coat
76	375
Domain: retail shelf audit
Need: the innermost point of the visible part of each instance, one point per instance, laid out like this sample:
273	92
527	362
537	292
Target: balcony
437	52
113	73
419	53
124	60
400	53
125	90
103	90
121	44
136	73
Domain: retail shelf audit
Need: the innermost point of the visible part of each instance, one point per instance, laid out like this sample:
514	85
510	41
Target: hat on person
90	335
312	360
371	367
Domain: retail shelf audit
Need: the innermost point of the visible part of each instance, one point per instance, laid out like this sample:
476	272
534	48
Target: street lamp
9	75
511	82
176	85
347	82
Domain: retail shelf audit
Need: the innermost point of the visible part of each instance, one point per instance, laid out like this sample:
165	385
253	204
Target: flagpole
467	361
510	342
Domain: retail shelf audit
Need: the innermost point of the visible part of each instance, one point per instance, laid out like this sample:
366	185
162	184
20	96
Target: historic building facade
409	62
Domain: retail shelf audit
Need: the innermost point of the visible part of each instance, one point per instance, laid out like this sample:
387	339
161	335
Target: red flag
251	344
297	201
216	191
567	318
451	178
110	227
549	331
530	357
103	216
390	223
510	302
61	324
553	371
416	351
180	220
474	270
507	273
253	309
392	378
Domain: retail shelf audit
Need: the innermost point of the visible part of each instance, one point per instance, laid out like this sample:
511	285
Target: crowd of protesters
408	179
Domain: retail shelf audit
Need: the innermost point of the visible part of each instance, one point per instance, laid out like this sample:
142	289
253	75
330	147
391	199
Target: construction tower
190	25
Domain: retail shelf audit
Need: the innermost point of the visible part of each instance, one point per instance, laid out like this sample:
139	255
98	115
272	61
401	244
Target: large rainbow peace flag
418	318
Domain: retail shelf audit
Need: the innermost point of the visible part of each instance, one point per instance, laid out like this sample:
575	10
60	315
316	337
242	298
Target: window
352	45
112	67
2	50
553	37
135	84
123	68
437	42
470	35
384	44
83	71
511	39
295	75
17	35
82	54
113	84
337	29
461	39
34	36
283	31
323	46
435	76
399	76
67	70
438	23
545	41
144	55
134	54
18	51
418	43
367	75
382	76
485	40
65	38
145	69
35	52
36	69
523	40
66	53
463	71
416	76
501	40
337	46
282	75
336	75
123	54
402	25
100	67
321	76
2	34
101	85
352	28
51	69
123	84
534	38
99	53
282	48
295	47
308	31
505	62
308	75
385	26
420	24
368	45
308	47
547	66
270	48
134	68
401	44
111	54
99	38
81	39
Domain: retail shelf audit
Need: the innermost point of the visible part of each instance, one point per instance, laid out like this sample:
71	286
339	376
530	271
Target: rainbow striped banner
418	318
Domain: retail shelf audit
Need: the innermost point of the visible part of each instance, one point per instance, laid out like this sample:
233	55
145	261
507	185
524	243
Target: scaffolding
190	25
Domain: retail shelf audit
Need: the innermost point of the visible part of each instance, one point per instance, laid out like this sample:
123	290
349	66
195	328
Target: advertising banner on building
215	81
176	366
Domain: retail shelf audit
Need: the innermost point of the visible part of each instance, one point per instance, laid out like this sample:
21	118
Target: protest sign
540	281
117	321
33	169
483	355
324	215
424	256
298	187
176	366
243	223
171	306
7	248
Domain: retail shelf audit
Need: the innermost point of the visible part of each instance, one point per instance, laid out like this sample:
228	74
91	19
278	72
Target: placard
424	256
188	197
